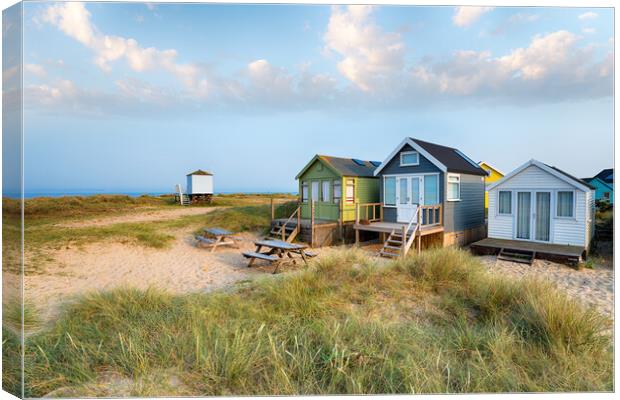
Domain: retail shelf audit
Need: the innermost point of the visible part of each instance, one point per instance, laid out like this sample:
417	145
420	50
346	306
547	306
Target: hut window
565	204
505	203
315	191
607	195
454	187
350	191
390	191
325	195
337	191
409	158
304	192
431	190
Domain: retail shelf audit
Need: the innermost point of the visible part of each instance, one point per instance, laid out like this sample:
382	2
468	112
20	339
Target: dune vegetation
434	323
46	221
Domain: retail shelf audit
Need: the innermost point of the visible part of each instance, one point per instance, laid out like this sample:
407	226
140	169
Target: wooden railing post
357	222
403	250
312	223
381	212
273	210
419	235
440	214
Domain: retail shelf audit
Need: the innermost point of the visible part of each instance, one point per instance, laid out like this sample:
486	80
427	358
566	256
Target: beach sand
592	287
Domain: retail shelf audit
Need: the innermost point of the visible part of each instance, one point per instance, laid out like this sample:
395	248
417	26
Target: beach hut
604	192
429	192
200	186
334	185
330	188
540	211
493	175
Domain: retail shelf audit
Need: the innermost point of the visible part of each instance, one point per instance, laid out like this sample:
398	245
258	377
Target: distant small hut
200	186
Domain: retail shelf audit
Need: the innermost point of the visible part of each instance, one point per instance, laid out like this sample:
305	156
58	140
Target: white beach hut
541	204
200	186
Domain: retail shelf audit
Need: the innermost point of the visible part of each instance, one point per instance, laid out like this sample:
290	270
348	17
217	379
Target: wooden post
440	215
341	223
419	230
404	244
357	221
273	210
312	223
381	212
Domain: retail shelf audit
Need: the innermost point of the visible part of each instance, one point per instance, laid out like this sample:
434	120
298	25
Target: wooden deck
388	227
306	223
546	251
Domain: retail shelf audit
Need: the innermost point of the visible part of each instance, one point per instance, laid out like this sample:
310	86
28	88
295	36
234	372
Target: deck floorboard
544	248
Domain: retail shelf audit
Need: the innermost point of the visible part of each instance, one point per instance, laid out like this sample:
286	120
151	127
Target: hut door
542	216
408	196
524	215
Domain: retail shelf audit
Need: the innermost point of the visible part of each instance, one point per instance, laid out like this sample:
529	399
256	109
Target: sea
33	194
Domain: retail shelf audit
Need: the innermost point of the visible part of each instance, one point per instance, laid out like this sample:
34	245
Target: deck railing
431	215
371	212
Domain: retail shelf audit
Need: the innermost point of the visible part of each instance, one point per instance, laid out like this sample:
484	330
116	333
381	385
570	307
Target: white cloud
36	70
588	31
551	67
74	20
464	16
588	15
519	18
369	54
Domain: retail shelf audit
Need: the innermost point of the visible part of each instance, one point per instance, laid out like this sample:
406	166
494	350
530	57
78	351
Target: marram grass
435	323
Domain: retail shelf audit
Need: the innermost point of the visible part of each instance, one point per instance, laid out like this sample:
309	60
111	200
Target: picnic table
214	237
278	253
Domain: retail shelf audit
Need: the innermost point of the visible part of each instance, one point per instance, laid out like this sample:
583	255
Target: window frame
337	182
346	186
385	204
499	195
448	183
408	153
311	194
557	204
305	200
329	190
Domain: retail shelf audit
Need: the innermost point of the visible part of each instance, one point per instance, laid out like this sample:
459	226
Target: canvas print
220	199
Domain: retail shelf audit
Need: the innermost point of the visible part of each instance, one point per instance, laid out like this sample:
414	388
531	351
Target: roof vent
376	163
359	162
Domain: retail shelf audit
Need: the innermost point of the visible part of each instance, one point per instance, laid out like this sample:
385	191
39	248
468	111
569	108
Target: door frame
409	177
533	204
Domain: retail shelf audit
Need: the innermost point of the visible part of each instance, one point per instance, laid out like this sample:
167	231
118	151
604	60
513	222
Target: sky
131	97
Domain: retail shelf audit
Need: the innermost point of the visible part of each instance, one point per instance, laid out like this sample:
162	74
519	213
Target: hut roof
200	172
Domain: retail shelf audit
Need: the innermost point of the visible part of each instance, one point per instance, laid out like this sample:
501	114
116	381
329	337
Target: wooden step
398	242
522	257
392	247
387	254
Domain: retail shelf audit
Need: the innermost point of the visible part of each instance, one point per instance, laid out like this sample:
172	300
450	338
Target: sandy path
146	216
182	268
593	287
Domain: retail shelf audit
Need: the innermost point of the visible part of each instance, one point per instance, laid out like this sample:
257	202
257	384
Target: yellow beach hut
493	175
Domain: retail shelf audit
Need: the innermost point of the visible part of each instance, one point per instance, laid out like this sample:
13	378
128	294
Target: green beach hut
334	185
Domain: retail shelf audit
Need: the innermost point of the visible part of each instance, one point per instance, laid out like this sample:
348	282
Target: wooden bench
205	240
215	237
261	256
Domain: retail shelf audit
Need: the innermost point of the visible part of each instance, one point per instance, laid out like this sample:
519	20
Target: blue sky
131	97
